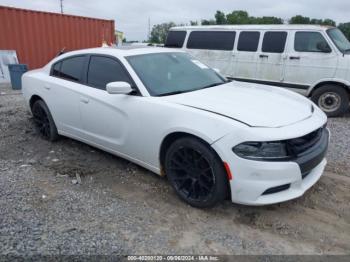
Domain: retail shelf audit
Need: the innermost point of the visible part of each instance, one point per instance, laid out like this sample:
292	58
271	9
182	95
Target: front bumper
262	183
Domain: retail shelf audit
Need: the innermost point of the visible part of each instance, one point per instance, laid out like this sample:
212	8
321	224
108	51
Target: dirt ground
120	208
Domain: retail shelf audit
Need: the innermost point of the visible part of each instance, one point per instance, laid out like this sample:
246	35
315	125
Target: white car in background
166	111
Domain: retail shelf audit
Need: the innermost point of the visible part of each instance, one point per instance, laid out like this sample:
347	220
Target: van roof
253	27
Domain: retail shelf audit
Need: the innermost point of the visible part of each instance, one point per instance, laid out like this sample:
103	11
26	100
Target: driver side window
311	42
103	70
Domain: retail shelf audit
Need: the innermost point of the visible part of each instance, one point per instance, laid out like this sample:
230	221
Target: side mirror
121	88
323	47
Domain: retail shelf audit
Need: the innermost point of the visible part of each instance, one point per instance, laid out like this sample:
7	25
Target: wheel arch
341	84
172	137
33	99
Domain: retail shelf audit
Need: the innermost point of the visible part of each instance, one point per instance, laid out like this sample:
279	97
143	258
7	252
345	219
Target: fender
339	81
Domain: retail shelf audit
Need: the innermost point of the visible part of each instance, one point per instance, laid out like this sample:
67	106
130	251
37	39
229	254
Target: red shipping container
38	36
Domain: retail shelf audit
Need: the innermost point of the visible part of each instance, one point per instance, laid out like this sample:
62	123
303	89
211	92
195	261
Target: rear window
56	69
212	40
274	42
69	68
248	41
175	39
103	70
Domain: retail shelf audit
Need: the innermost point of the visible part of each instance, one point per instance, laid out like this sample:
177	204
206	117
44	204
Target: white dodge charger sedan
168	112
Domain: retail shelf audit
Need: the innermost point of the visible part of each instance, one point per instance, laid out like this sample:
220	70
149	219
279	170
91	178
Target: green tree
193	23
159	32
220	18
329	22
300	20
315	21
266	20
238	18
208	22
345	28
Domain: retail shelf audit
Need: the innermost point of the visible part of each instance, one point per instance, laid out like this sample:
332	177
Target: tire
196	172
43	121
332	99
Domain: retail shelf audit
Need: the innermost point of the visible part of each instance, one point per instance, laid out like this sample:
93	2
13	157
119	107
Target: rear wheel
43	121
196	172
332	99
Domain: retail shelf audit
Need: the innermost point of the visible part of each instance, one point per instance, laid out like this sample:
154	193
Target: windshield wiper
174	93
211	85
191	90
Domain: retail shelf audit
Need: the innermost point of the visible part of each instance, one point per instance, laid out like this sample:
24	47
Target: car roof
253	27
123	51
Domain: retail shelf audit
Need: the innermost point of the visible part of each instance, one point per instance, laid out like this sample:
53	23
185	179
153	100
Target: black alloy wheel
196	172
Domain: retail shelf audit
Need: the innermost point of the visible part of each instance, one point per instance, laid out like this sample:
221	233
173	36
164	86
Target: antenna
61	5
149	28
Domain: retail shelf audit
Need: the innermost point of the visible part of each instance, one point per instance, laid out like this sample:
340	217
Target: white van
310	59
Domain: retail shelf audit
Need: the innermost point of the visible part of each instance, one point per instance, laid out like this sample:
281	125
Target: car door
105	117
62	89
271	59
310	59
246	56
214	48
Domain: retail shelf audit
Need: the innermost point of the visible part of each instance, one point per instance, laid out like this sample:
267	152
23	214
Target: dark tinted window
175	39
274	42
104	70
56	69
71	68
248	41
212	40
309	42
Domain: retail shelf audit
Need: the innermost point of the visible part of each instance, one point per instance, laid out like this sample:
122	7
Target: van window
274	42
309	42
70	68
212	40
103	70
248	41
175	39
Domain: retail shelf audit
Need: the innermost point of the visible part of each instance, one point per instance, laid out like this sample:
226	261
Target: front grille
298	146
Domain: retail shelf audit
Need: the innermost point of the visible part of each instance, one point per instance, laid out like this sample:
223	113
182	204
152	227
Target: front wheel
196	172
333	100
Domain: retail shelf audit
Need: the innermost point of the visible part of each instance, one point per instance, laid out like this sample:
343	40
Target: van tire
331	99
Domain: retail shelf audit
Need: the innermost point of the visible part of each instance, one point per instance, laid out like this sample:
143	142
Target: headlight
269	151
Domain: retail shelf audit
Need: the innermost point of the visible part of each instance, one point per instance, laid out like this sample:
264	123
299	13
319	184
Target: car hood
252	104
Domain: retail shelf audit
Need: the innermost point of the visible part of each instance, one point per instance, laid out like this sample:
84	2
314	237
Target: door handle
263	56
294	57
47	87
84	100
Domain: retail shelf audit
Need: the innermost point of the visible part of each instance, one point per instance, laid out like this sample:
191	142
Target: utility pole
61	4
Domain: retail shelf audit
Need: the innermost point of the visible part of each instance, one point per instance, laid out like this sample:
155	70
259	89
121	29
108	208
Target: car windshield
173	73
339	39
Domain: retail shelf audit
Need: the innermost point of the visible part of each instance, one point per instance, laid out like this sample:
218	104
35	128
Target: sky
131	16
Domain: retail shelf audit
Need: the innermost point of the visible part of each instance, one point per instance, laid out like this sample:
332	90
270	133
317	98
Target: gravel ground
120	208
